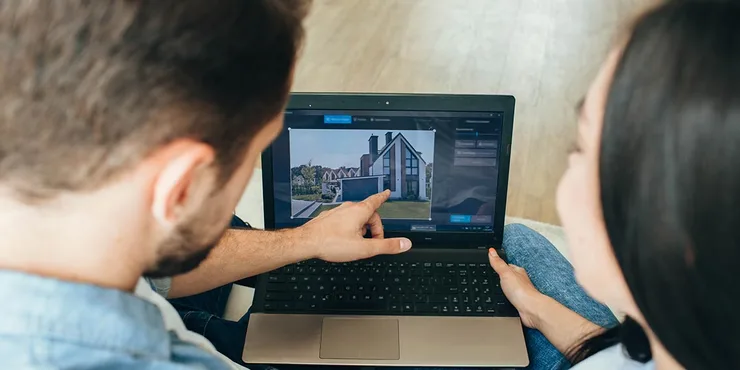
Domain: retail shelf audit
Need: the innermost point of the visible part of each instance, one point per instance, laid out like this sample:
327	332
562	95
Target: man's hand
337	234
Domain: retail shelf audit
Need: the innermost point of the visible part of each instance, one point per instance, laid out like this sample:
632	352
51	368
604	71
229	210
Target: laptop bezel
414	102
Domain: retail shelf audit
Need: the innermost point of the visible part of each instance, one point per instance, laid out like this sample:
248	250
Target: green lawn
322	208
392	209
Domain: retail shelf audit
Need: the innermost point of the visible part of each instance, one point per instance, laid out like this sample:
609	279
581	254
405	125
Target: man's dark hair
90	88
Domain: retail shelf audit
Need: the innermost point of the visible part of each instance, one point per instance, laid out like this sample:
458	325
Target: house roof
382	151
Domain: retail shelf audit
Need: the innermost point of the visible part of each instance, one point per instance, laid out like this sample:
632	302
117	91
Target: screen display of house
441	168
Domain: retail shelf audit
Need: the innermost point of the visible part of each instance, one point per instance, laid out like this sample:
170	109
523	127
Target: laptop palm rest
359	339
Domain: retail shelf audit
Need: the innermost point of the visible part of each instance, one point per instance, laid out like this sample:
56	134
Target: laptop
445	159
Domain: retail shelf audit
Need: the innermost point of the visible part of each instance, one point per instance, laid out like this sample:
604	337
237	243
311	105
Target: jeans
552	275
549	271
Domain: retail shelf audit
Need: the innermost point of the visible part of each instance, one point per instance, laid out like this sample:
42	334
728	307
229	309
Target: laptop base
422	341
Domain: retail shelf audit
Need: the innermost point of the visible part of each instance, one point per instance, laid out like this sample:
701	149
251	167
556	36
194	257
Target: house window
387	170
412	188
412	163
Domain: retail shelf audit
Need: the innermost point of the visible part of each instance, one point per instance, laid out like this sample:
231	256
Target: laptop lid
445	159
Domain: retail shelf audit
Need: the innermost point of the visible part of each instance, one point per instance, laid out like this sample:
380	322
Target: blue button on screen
460	219
337	119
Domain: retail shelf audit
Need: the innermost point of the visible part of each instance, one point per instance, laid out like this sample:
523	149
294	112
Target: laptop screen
441	167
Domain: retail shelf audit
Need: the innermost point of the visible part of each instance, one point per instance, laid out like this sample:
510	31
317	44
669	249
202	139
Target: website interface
441	168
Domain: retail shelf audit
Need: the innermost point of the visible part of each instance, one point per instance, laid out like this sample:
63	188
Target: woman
650	204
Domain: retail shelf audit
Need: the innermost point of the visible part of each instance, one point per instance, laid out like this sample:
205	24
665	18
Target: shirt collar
35	306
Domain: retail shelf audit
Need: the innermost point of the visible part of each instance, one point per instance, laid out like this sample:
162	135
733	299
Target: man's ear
181	177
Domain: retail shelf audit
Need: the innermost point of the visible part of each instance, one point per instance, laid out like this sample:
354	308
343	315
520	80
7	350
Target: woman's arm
563	327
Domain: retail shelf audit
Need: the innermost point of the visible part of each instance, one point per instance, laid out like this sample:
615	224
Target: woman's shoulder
612	358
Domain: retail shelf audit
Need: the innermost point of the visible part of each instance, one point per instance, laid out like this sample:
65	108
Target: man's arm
335	236
240	254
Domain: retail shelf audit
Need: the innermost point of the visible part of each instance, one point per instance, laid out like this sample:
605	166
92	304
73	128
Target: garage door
356	190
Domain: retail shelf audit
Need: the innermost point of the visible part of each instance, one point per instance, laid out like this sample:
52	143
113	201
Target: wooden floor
544	52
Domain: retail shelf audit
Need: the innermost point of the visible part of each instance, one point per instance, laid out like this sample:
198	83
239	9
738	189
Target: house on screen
396	166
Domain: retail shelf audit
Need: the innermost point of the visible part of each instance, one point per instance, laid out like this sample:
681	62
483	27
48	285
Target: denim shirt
52	324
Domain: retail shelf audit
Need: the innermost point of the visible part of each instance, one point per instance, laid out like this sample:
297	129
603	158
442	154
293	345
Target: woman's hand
518	289
561	326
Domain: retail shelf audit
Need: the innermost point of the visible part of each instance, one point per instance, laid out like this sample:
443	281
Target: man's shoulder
53	323
23	353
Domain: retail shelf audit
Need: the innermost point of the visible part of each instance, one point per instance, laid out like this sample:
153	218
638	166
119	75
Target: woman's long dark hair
670	183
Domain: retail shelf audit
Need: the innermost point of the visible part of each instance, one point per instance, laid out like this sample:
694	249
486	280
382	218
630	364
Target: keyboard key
426	308
395	307
438	298
408	307
447	290
277	287
278	296
276	279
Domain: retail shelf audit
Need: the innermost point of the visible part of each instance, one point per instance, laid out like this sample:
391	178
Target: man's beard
185	250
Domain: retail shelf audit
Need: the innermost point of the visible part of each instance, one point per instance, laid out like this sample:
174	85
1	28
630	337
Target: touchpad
359	339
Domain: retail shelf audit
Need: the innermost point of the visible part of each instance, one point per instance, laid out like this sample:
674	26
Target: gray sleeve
161	286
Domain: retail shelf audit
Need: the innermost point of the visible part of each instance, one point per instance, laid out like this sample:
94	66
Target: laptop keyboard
387	288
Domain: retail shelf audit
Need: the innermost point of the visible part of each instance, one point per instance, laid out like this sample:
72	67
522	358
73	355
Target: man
128	132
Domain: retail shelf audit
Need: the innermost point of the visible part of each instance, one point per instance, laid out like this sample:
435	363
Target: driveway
297	206
306	213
